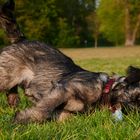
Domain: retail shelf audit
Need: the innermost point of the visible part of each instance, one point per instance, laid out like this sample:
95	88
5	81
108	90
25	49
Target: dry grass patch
113	52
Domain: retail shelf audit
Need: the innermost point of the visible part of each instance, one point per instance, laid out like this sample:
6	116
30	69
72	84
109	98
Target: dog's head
126	90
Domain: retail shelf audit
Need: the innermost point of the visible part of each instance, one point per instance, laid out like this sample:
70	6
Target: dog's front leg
12	97
43	109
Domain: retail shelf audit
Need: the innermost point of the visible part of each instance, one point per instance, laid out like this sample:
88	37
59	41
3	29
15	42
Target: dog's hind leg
72	106
75	105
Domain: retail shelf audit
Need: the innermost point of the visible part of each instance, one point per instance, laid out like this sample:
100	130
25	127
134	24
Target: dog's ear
133	70
133	75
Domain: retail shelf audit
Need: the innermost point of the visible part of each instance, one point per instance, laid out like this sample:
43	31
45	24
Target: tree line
79	23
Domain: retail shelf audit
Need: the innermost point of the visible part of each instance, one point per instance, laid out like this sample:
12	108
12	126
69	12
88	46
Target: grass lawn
95	126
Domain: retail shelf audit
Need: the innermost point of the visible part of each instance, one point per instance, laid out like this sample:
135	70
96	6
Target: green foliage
3	38
59	23
66	35
38	19
65	23
111	17
119	20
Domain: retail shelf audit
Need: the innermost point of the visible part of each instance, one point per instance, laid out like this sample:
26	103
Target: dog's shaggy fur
51	80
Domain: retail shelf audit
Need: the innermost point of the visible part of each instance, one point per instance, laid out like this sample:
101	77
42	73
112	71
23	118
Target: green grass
95	126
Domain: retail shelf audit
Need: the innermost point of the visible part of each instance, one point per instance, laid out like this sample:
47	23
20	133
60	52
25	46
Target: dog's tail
8	22
133	75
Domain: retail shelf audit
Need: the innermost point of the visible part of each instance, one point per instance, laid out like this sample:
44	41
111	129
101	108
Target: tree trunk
96	31
129	42
136	28
130	31
96	42
131	35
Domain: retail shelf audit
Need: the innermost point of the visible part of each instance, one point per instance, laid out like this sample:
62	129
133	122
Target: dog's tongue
108	86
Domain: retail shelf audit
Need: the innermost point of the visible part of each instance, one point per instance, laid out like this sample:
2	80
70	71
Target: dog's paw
20	118
13	99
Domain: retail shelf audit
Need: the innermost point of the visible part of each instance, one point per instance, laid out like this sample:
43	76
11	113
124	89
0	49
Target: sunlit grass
95	126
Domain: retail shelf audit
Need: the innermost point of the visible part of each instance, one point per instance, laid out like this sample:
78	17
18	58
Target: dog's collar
108	86
105	99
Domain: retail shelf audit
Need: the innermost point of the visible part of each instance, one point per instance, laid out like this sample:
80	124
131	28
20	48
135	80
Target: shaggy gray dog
52	81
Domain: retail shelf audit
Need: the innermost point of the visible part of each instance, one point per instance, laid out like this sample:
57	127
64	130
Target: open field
113	52
95	126
105	59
